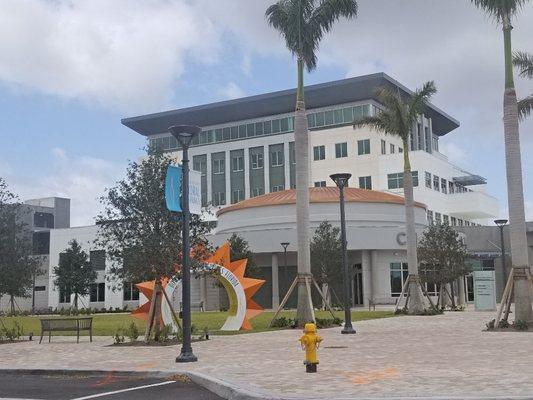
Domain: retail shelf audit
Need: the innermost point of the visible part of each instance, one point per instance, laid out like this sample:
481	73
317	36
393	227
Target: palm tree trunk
304	311
515	190
12	303
416	301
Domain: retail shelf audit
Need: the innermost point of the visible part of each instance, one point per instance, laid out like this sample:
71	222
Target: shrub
13	333
521	325
328	322
119	337
490	325
132	332
165	333
503	324
280	322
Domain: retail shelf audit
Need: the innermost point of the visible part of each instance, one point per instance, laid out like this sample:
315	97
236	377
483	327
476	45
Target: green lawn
107	324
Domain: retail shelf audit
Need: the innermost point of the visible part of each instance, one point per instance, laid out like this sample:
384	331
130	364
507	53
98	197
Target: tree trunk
76	301
12	304
157	311
416	300
515	190
452	293
305	312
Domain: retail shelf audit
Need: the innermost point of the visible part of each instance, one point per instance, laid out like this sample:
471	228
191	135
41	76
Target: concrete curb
230	391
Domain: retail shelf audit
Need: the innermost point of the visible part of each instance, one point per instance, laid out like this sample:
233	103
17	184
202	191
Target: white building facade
246	148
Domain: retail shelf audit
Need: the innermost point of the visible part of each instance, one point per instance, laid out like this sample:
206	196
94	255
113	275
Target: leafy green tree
443	257
303	23
396	119
18	266
74	274
240	249
326	260
142	238
503	11
524	62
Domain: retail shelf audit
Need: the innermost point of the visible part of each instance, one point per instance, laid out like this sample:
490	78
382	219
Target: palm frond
525	107
500	9
420	98
524	62
329	11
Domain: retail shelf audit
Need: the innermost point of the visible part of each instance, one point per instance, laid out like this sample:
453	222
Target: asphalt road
112	385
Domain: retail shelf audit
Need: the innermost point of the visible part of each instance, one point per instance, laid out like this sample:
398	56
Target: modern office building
246	148
40	216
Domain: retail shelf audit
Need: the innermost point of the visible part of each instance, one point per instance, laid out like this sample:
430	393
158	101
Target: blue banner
173	188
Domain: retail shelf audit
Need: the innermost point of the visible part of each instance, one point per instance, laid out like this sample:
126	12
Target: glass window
276	158
275	126
357	112
219	198
258	128
446	219
341	150
400	150
395	181
311	120
258	191
365	182
320	184
130	292
453	221
242	131
237	195
451	187
428	179
436	181
237	164
278	188
430	217
319	118
250	130
415	178
218	166
319	153
226	133
328	116
284	124
210	136
398	275
257	160
366	110
97	292
291	124
338	116
267	127
383	147
234	132
363	146
392	149
438	218
443	186
347	114
218	135
97	258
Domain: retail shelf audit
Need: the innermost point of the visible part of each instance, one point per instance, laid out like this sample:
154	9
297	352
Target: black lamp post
185	134
341	180
501	224
285	245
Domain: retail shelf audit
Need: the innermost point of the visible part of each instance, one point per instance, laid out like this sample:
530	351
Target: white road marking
94	396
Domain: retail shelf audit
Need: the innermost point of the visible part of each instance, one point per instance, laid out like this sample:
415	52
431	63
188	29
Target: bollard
310	342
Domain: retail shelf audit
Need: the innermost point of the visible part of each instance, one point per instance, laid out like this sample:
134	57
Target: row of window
341	150
395	181
398	276
392	148
438	218
97	293
277	159
444	186
316	120
365	182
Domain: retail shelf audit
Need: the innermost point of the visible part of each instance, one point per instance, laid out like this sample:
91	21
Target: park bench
66	325
194	306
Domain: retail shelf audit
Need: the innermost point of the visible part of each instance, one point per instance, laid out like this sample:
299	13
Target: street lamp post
501	224
185	134
285	245
341	180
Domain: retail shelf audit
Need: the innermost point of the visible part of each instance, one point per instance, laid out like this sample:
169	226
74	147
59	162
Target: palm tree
303	23
524	62
396	119
503	11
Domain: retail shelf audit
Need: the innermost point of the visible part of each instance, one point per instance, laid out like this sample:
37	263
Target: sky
71	69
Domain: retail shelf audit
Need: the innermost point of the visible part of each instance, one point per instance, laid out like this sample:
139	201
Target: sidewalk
445	355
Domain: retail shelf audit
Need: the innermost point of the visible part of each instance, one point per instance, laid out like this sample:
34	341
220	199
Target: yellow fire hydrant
310	342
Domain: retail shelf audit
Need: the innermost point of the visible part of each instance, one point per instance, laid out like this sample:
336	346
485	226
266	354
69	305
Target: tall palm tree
396	119
303	23
503	11
524	62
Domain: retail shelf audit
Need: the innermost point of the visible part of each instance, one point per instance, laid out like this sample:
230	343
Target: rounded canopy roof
318	195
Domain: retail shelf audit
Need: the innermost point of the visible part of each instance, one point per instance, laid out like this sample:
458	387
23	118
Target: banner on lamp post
173	190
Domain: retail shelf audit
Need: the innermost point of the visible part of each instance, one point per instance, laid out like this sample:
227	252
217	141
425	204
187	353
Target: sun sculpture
230	274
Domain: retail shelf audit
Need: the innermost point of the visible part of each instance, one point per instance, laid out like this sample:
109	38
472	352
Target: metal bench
194	306
66	325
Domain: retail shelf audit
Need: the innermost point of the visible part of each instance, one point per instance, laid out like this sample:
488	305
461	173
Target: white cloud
83	179
455	153
231	91
123	54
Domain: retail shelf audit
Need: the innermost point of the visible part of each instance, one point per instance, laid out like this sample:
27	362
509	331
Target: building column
461	290
246	173
423	132
266	167
366	266
227	159
287	165
275	281
209	180
374	276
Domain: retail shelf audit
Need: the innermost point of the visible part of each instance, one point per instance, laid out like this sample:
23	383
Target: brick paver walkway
446	355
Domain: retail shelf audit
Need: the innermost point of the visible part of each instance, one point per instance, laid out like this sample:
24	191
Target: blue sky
70	70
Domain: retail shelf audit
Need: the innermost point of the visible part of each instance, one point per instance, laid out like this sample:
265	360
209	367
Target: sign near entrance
173	190
484	291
